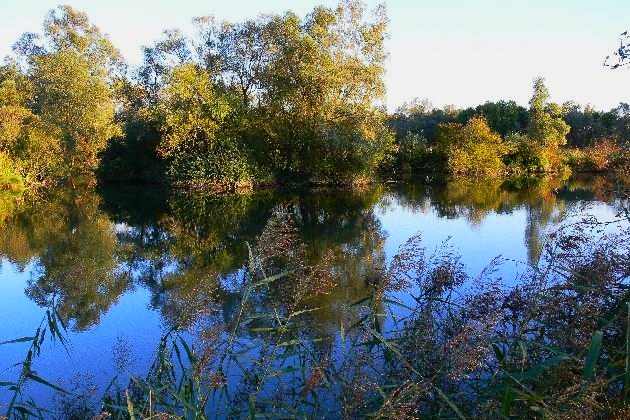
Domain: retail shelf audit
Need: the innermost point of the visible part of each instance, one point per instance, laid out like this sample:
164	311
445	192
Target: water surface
125	264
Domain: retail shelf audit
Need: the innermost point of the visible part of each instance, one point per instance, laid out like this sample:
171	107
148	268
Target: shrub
471	149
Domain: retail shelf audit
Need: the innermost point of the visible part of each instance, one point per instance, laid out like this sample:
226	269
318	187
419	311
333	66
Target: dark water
123	265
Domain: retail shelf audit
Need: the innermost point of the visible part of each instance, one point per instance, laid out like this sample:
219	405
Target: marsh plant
425	339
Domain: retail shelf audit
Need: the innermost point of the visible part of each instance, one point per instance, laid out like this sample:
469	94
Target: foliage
546	127
503	117
68	95
525	156
196	148
598	158
472	148
589	126
421	118
253	342
323	79
28	142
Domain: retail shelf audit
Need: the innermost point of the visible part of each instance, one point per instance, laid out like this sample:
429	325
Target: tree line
271	99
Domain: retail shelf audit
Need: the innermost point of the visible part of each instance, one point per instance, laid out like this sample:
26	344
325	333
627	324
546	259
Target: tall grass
21	406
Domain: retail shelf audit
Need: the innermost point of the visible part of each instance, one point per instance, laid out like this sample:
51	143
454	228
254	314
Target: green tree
30	146
193	141
546	126
503	117
72	68
322	85
168	52
547	130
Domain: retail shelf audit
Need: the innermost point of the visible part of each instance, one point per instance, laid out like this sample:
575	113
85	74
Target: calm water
125	264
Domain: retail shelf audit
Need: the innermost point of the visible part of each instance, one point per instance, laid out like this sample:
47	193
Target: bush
600	157
471	149
525	156
221	163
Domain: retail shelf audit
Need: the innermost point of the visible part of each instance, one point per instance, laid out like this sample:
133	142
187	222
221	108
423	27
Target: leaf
342	333
8	384
252	406
18	340
593	353
538	369
130	408
450	403
295	342
304	311
288	369
43	381
264	329
626	380
399	304
189	353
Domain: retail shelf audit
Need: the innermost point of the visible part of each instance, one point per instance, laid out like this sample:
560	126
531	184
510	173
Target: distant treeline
262	101
421	131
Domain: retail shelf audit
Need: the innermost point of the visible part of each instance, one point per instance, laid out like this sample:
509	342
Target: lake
123	266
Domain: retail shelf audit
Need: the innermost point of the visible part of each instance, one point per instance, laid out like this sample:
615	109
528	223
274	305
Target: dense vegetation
267	100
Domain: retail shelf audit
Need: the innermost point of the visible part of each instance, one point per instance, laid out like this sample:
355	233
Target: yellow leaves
12	120
472	148
193	111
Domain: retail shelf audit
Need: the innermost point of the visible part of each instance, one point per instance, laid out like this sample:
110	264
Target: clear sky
459	52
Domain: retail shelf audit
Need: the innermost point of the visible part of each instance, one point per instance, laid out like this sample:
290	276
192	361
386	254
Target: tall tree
323	84
546	126
73	67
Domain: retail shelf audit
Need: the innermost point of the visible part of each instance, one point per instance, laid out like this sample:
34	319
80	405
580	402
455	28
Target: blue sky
449	51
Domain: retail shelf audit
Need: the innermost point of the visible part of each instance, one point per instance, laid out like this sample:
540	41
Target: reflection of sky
90	351
498	234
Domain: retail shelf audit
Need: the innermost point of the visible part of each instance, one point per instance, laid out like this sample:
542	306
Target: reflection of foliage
79	270
75	246
519	351
299	345
457	347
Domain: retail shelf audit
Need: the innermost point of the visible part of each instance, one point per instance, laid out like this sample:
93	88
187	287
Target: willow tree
194	143
304	94
471	149
72	68
321	91
29	148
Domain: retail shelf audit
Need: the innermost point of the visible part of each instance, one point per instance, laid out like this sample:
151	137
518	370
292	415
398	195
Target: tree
472	149
193	140
72	68
167	53
503	117
29	146
546	126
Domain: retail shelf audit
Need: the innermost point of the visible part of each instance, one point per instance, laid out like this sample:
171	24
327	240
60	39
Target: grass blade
593	353
43	381
18	340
